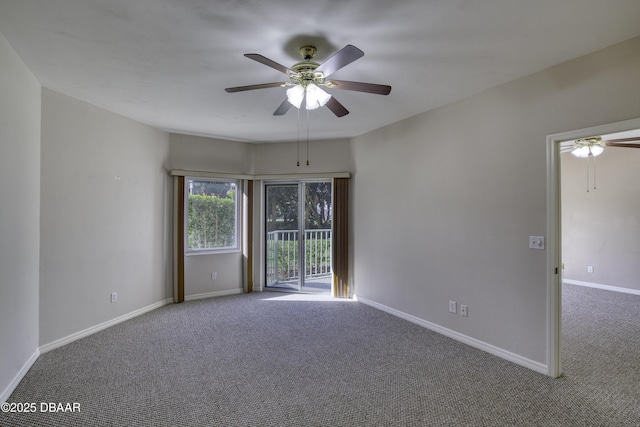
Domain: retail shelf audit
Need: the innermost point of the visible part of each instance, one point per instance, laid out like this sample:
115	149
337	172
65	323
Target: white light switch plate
536	242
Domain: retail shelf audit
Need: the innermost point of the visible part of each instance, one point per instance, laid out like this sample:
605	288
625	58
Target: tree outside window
212	214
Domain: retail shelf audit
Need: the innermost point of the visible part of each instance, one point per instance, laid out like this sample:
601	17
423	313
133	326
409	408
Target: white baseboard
92	330
19	376
599	286
496	351
213	294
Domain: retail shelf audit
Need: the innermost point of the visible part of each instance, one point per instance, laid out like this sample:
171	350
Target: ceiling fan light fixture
596	150
295	95
581	152
316	97
584	148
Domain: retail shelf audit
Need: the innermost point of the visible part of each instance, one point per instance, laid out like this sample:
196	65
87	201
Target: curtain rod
205	174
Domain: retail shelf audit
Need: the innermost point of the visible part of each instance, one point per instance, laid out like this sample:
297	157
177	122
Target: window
212	215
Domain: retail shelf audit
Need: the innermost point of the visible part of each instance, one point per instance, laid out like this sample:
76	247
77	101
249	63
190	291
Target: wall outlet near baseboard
453	307
114	296
463	310
214	276
590	269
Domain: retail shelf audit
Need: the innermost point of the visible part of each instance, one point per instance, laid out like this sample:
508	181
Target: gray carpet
275	359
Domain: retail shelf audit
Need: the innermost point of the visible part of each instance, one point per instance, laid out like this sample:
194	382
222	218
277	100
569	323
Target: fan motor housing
306	73
305	69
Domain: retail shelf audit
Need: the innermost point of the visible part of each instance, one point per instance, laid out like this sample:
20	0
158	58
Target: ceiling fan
594	145
307	77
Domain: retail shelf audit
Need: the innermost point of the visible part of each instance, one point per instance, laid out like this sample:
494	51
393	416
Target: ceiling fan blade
335	107
361	87
622	144
283	108
269	63
635	139
343	57
252	87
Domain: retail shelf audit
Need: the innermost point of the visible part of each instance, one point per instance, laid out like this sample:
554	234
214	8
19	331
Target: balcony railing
283	256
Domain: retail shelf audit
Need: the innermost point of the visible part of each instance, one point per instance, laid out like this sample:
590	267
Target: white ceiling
166	62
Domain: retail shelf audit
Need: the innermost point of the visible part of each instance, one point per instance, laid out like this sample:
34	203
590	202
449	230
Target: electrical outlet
463	310
114	296
590	269
214	276
453	307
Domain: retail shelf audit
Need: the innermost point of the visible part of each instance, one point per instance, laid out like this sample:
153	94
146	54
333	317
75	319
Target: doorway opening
298	226
554	231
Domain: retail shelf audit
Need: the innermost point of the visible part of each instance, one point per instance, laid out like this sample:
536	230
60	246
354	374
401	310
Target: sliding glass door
282	240
298	236
318	214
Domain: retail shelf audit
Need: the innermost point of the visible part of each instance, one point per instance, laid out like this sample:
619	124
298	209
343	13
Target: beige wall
210	155
193	153
601	228
103	216
198	269
324	156
444	202
19	216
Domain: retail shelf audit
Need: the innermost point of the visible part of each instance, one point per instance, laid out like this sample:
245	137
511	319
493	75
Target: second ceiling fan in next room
594	146
591	147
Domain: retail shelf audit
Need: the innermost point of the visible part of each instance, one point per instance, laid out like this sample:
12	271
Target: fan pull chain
587	173
307	137
594	172
298	163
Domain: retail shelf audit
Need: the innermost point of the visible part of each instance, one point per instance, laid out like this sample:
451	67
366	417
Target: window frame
237	224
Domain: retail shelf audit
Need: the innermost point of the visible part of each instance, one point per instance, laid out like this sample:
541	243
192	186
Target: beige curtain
250	235
340	245
178	236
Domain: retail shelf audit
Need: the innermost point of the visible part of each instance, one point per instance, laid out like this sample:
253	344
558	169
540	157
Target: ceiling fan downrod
308	52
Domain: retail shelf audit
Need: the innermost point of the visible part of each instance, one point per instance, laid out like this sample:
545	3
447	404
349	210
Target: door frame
300	183
291	183
554	234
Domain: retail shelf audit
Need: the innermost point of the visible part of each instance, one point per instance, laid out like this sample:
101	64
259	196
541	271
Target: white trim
211	251
294	176
213	294
205	174
600	286
605	129
554	299
97	328
554	254
303	176
19	376
491	349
